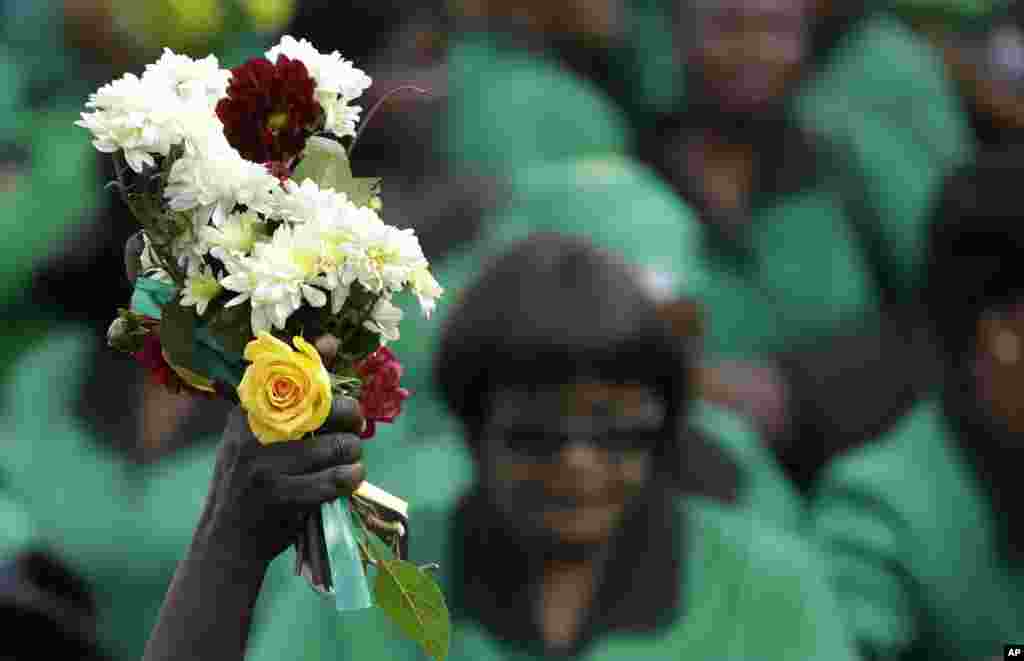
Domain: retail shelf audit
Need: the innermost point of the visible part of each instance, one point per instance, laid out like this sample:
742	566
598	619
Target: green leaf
325	162
414	602
231	327
177	332
362	343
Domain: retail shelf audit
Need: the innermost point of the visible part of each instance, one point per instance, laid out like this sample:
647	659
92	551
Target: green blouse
748	592
509	107
797	273
913	550
885	96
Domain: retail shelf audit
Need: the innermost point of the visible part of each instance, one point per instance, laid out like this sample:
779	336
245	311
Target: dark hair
549	310
976	247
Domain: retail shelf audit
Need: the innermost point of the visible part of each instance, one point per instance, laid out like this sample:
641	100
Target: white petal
316	298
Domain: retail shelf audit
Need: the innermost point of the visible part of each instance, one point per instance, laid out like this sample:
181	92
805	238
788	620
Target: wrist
227	554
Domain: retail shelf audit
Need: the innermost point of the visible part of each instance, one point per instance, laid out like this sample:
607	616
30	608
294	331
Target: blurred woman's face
748	53
589	19
565	463
1000	366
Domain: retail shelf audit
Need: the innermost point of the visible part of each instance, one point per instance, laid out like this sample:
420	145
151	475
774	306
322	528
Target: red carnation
270	109
382	397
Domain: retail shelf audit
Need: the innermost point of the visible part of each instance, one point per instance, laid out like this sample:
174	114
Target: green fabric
622	207
911	547
749	592
33	58
765	490
647	64
957	14
885	96
508	107
18	530
121	526
56	190
798	274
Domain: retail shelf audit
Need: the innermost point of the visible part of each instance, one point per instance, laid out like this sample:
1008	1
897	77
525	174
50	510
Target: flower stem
377	106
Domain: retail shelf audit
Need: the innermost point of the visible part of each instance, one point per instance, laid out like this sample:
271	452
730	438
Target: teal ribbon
209	358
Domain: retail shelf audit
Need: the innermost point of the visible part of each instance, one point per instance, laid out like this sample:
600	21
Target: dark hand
260	494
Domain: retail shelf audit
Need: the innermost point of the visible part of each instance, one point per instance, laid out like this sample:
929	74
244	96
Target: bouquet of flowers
257	238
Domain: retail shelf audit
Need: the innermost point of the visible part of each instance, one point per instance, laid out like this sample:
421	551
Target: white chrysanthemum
384	319
340	118
214	178
426	289
200	81
338	82
276	279
308	203
239	233
187	247
129	114
386	257
341	229
201	287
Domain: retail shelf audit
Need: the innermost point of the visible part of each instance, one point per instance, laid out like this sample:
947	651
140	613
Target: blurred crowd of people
765	246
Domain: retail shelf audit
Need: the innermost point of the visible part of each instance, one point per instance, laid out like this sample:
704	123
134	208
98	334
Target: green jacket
508	107
747	592
884	95
913	550
53	191
796	274
122	527
621	207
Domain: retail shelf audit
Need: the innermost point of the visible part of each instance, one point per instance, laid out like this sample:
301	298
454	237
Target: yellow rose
286	393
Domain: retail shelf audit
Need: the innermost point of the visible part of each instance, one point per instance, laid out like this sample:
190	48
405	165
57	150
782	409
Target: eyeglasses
535	424
541	443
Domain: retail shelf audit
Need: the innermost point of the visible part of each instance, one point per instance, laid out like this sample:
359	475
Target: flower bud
126	335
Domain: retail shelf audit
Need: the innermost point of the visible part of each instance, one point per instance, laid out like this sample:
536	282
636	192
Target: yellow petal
266	434
321	410
308	349
251	386
307	407
264	345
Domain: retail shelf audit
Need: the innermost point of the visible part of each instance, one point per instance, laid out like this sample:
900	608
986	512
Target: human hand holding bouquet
257	242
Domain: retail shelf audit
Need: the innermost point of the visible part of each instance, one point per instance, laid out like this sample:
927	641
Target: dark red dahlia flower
270	109
381	397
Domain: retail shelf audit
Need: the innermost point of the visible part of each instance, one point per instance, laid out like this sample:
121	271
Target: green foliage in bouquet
407	593
326	162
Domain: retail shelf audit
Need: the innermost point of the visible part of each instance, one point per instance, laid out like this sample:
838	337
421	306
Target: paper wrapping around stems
351	589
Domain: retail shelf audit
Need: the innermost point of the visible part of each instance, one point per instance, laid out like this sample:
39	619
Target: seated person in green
921	529
882	90
621	206
569	541
804	291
